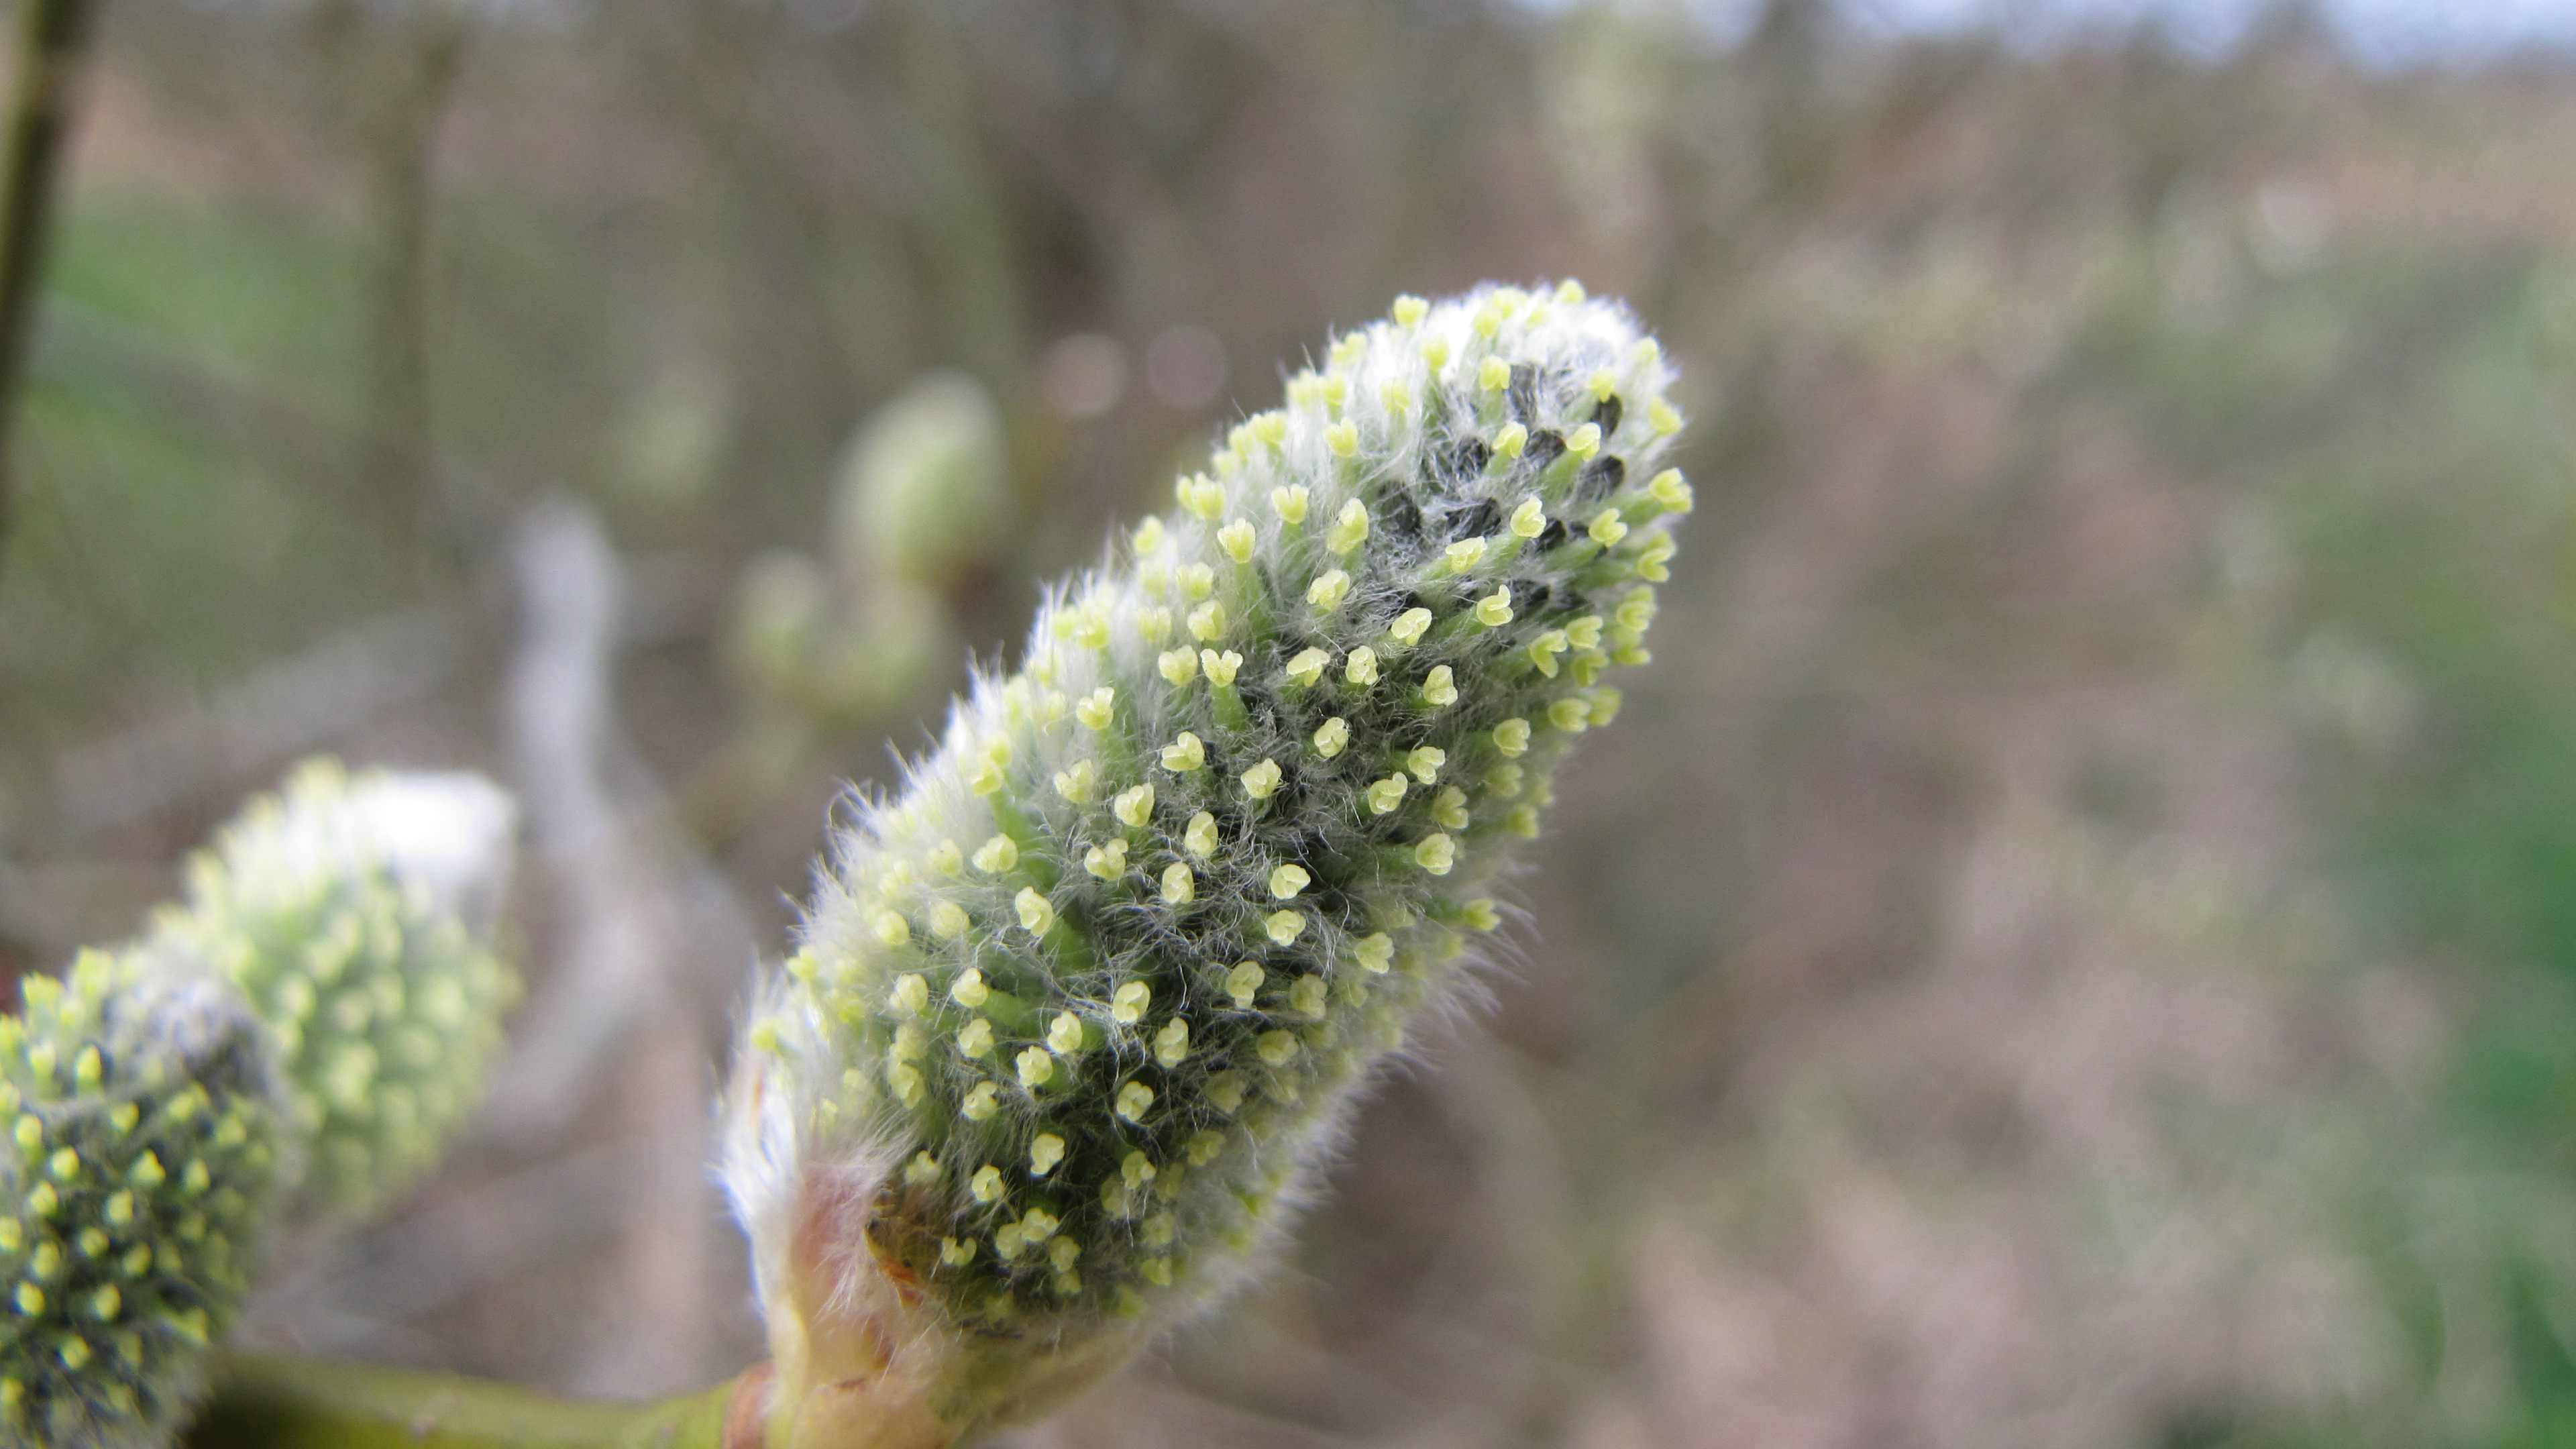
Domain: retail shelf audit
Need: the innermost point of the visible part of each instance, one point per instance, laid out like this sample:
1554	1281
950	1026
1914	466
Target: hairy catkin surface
355	914
297	1039
141	1169
1075	1009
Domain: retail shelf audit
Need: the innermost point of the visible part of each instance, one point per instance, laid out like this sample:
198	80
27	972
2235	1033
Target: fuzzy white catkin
356	913
296	1039
1077	1011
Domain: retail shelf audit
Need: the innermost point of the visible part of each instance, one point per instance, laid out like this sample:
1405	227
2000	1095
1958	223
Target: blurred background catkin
2075	943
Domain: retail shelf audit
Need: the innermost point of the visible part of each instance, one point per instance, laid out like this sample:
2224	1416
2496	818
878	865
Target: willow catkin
135	1193
1076	1011
355	913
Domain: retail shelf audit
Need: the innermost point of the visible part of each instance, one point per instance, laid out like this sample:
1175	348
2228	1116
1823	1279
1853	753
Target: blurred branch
590	797
53	39
643	912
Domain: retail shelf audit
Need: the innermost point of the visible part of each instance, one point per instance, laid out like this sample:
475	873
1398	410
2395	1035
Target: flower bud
925	486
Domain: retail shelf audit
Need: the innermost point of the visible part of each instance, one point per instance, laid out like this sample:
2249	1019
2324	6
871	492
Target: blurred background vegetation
2074	944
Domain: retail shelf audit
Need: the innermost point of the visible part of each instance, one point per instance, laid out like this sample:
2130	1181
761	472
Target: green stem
275	1402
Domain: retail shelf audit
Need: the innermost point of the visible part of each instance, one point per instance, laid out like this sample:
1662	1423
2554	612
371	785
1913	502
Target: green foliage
2417	487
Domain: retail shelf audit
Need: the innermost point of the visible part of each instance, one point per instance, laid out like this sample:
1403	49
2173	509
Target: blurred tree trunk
963	225
53	43
723	70
400	129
